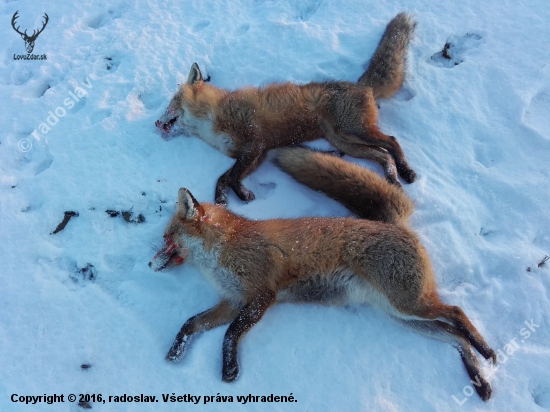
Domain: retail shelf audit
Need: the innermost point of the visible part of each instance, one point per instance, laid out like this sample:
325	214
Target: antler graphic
29	40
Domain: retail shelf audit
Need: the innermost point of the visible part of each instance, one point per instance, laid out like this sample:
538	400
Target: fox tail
361	190
386	70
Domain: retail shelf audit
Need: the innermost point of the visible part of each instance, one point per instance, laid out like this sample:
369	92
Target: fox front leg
247	317
233	178
221	189
224	312
246	163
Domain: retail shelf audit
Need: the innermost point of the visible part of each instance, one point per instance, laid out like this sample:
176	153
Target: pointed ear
195	75
188	208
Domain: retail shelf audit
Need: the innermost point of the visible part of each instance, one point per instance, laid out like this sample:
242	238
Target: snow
477	134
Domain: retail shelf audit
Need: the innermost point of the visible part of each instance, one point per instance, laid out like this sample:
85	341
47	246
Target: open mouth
166	127
174	260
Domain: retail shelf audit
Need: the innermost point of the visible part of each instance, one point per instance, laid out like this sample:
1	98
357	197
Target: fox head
193	100
186	220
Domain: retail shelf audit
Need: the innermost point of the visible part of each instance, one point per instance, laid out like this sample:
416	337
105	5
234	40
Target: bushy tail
386	70
362	191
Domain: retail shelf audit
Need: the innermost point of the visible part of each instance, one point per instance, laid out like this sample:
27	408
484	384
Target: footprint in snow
200	26
541	396
307	9
537	114
100	115
151	100
455	48
242	30
102	19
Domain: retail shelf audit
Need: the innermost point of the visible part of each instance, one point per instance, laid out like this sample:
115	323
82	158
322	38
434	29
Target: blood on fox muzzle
169	256
166	127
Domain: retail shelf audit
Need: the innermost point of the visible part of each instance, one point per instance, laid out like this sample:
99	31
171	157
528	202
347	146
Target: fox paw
175	353
484	390
230	371
221	194
221	200
492	356
245	194
409	175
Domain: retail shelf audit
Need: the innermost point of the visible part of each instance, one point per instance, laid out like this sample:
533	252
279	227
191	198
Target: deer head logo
29	40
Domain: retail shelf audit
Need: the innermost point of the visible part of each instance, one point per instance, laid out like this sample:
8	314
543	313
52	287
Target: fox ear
188	208
195	75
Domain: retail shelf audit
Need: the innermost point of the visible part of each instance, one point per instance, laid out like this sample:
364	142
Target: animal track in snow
454	50
111	63
307	9
102	19
99	115
200	26
104	66
43	164
242	30
541	396
537	115
262	190
151	100
22	76
486	155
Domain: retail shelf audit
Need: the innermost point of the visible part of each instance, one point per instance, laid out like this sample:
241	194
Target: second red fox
246	123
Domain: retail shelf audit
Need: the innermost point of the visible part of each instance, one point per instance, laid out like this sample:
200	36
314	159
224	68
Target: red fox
341	261
246	123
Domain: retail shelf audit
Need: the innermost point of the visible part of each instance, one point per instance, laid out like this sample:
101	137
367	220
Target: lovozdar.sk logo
29	40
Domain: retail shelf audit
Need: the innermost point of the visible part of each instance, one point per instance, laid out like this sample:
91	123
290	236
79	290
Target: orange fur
246	123
253	264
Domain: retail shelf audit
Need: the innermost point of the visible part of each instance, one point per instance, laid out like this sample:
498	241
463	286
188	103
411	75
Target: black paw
491	355
175	353
409	175
484	390
221	196
230	371
221	200
245	194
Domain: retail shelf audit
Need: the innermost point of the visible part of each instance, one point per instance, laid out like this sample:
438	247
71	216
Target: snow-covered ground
476	132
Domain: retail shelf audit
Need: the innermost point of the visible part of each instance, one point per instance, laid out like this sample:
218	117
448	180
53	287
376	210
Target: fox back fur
341	261
246	123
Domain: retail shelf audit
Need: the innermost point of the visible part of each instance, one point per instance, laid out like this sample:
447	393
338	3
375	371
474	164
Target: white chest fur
225	283
203	129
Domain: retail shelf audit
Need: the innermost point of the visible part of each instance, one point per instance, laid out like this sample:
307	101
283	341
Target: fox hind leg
221	189
456	316
448	333
375	137
233	178
246	163
355	147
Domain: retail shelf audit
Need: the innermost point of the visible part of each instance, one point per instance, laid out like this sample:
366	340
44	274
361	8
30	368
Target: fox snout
167	120
166	127
171	255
